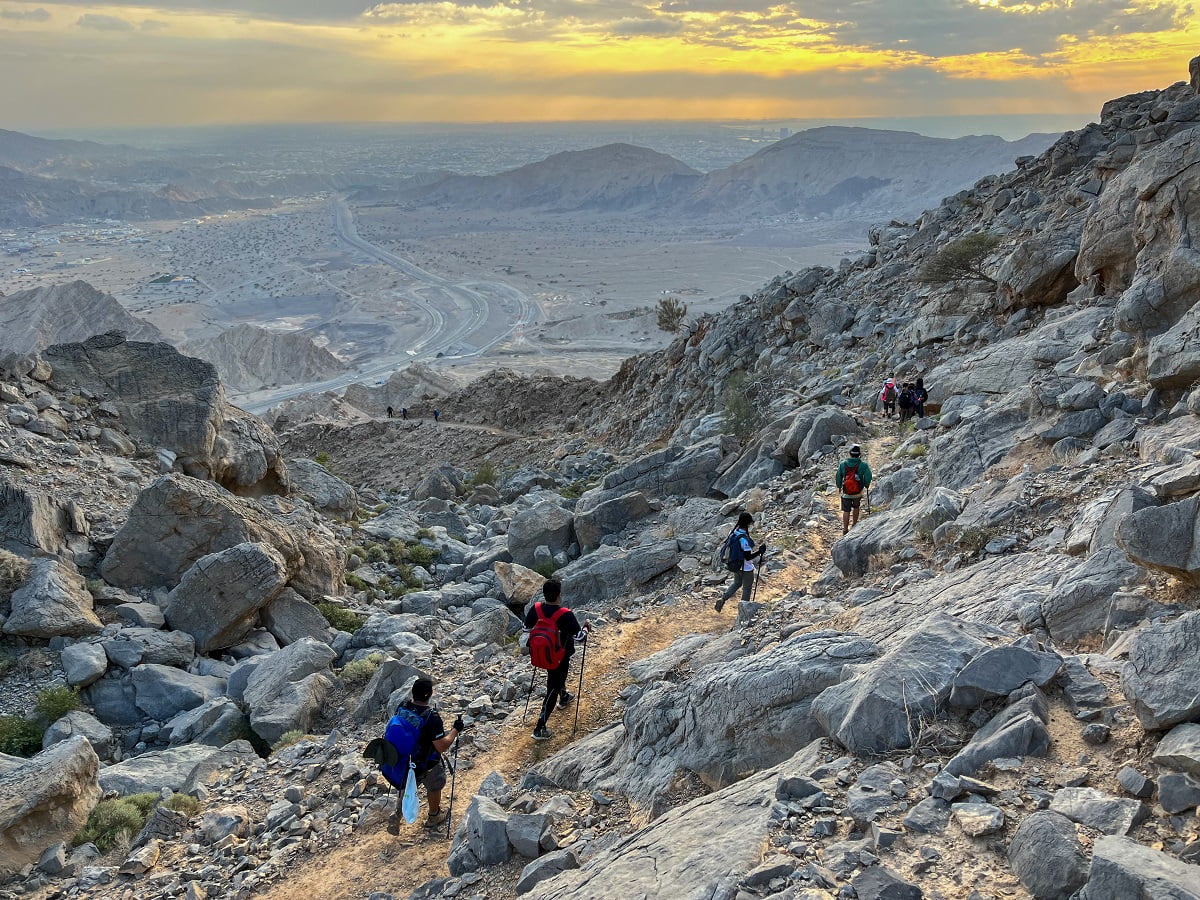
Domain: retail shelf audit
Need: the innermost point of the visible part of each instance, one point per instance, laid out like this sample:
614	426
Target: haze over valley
300	260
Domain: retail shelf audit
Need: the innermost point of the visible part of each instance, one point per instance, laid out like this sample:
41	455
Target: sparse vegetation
423	534
916	451
360	670
742	401
55	702
485	474
321	458
340	618
420	555
184	803
112	822
960	260
19	736
288	738
545	569
14	570
670	313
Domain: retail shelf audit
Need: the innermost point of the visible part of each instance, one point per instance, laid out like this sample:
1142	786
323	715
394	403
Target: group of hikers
415	744
391	414
909	398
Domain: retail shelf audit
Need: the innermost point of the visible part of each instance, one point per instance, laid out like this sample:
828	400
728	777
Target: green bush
19	736
424	534
485	474
55	702
14	571
420	555
340	618
184	803
321	458
375	553
961	260
545	569
360	670
113	822
288	738
670	313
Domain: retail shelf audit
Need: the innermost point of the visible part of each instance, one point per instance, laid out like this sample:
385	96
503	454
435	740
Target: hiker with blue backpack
853	479
418	738
738	555
553	631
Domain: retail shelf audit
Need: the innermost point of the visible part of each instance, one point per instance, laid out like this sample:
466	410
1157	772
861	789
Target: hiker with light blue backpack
410	754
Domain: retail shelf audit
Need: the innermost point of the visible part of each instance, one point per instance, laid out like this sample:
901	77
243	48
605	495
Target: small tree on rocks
671	312
960	260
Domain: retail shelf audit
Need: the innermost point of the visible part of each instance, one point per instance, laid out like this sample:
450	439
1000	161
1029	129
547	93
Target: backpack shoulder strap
557	614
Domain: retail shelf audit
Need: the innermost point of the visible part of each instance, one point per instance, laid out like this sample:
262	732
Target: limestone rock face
54	602
33	320
286	688
608	516
46	800
324	490
1163	668
177	520
218	599
165	399
547	524
30	521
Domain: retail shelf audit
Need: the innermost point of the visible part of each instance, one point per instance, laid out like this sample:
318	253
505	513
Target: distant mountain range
830	172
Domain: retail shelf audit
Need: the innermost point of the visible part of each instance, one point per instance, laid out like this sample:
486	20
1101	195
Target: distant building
173	281
785	133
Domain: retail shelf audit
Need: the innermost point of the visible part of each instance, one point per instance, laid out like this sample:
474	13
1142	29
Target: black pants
556	684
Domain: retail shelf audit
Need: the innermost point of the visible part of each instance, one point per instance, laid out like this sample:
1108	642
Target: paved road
454	311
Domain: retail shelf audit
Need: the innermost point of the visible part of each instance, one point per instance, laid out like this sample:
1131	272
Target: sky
191	62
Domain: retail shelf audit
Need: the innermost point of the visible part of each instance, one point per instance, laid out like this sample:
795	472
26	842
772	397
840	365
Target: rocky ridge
985	689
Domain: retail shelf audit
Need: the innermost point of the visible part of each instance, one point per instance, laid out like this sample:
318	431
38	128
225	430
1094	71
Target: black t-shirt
432	730
568	625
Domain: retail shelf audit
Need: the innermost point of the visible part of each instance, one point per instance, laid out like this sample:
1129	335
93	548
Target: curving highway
454	312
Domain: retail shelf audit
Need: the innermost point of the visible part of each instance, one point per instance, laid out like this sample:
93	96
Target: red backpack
545	647
850	482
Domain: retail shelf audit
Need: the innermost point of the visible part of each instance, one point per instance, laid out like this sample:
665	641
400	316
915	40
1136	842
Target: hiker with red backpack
887	397
853	478
553	631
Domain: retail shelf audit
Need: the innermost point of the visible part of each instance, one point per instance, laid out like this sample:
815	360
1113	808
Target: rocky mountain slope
250	358
30	321
984	690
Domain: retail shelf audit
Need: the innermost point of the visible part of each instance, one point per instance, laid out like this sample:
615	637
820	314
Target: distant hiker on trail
390	412
417	733
920	395
404	413
553	631
436	416
738	555
853	478
887	397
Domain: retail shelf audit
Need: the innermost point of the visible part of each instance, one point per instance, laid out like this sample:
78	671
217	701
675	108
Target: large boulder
1046	855
518	584
156	770
53	602
31	521
1079	606
162	692
285	691
178	520
545	523
165	399
77	722
481	839
290	617
1017	730
1123	869
217	600
888	532
595	520
46	800
812	430
1160	678
730	718
321	488
131	646
1173	359
673	471
883	707
1166	538
696	851
612	572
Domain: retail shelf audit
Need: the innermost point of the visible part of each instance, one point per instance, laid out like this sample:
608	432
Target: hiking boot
565	699
719	605
542	733
393	826
436	819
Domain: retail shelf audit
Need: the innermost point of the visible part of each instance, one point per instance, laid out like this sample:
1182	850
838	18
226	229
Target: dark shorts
435	778
849	503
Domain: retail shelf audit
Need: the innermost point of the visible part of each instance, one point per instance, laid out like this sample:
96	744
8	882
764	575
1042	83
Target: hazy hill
852	172
26	151
64	313
250	358
35	200
844	173
612	177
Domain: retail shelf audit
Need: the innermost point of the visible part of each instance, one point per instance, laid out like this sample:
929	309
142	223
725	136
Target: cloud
25	15
101	22
153	25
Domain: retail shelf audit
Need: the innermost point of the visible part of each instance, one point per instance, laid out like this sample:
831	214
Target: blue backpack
732	553
404	734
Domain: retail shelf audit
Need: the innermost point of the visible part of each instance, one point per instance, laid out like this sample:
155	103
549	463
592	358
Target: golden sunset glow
525	60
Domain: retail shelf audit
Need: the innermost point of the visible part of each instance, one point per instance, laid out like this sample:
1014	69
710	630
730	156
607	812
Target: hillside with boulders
984	689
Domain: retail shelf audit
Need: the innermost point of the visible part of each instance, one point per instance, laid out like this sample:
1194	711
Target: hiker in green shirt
853	478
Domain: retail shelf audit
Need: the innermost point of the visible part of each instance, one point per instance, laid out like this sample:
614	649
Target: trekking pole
579	690
453	782
868	501
532	679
